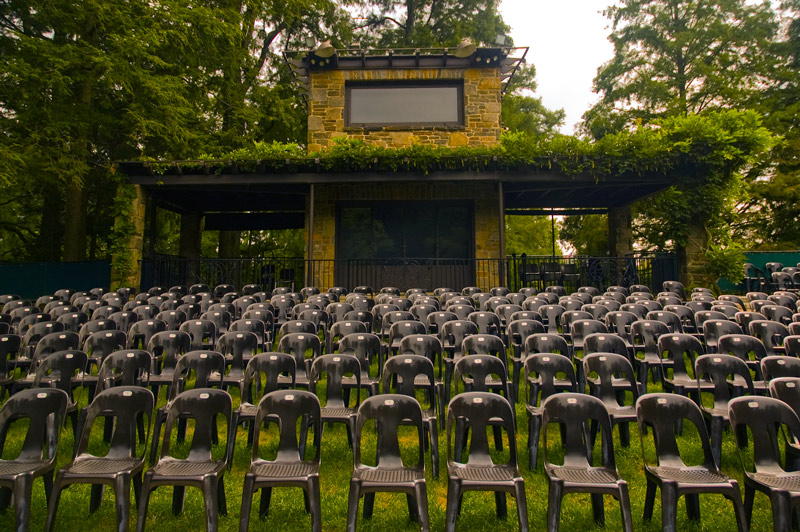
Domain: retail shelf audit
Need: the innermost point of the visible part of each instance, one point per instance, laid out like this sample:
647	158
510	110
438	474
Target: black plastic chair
389	473
339	330
203	333
787	389
297	344
772	333
10	345
207	368
545	374
780	366
238	348
121	464
614	380
45	410
265	373
660	413
644	337
166	347
404	375
720	371
751	350
681	350
337	409
576	473
476	411
199	469
289	468
764	473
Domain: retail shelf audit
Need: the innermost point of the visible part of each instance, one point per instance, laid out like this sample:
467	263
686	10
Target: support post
310	252
125	263
501	206
620	232
189	246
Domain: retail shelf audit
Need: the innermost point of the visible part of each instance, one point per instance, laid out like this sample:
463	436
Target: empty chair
404	374
791	345
660	413
337	409
339	330
713	330
608	375
297	326
203	333
573	412
771	333
583	328
675	287
366	347
199	469
238	348
166	347
400	330
437	319
668	318
121	464
598	312
744	319
474	411
289	467
551	316
452	334
389	473
298	344
763	471
720	370
778	313
545	375
779	366
45	410
619	322
644	336
751	350
681	350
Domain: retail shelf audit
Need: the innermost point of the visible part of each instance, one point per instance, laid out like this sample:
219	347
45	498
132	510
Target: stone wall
481	108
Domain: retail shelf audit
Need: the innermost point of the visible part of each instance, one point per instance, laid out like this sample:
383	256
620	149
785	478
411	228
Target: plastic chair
660	413
452	336
720	370
339	330
121	464
273	371
779	366
614	378
258	328
404	375
337	409
545	374
679	377
203	333
289	468
475	410
238	348
166	347
764	472
366	347
400	329
644	336
573	412
45	409
751	350
199	469
772	333
389	473
297	344
713	330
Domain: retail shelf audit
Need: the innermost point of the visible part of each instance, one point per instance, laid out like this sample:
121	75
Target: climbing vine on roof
706	148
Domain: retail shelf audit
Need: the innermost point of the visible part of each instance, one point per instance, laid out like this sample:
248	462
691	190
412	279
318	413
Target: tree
683	56
531	235
588	234
521	111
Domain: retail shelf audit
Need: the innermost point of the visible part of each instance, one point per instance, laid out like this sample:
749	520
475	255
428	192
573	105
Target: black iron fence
515	272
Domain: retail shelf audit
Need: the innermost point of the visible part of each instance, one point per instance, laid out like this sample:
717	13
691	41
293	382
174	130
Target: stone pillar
620	232
125	265
692	261
230	243
189	246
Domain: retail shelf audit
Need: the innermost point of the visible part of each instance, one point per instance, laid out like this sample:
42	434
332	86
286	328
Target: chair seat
494	473
169	467
102	466
284	470
388	476
786	481
247	410
12	468
595	475
338	412
689	475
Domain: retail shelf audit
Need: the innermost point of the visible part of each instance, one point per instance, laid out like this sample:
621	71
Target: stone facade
326	107
126	270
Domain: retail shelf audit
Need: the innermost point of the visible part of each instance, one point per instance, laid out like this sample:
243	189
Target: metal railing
515	272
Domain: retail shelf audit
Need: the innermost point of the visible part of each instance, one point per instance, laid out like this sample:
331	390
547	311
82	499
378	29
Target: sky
568	40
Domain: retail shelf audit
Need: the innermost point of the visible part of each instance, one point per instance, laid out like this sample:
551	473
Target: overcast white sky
568	40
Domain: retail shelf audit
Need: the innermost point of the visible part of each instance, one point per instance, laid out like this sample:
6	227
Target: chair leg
669	506
534	427
23	488
143	503
264	502
649	500
453	495
413	515
315	503
155	436
5	498
122	499
421	496
781	513
221	501
434	439
716	438
232	439
749	497
522	505
625	507
352	505
178	493
96	498
211	503
137	488
52	507
247	502
501	509
738	508
692	506
598	509
554	505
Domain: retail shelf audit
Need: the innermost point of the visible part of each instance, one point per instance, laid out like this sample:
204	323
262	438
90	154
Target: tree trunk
75	226
51	227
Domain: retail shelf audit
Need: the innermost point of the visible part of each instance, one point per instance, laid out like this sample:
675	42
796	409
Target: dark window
432	103
418	229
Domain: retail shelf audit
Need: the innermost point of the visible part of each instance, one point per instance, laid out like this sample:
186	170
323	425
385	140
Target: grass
478	511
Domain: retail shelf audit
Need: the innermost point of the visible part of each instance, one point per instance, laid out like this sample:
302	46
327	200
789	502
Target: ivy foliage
701	151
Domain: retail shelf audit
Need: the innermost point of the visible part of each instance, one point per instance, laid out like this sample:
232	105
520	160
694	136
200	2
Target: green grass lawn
478	513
